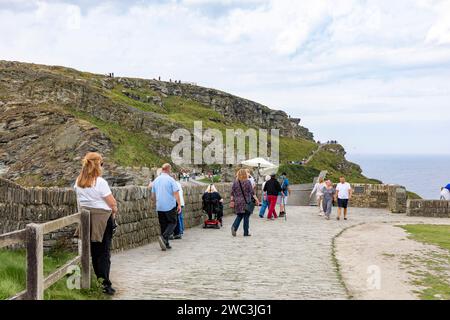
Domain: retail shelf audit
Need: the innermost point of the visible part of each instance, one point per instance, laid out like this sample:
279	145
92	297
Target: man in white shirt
343	195
445	194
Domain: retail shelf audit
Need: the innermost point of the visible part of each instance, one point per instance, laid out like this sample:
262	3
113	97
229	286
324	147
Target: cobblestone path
282	260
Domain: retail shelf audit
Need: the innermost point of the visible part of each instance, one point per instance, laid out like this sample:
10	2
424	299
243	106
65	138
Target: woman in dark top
242	193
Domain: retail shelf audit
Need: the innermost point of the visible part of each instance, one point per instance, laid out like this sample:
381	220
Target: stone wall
137	219
300	194
392	197
428	208
20	206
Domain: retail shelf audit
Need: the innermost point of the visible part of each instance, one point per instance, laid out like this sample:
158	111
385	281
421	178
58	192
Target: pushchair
213	209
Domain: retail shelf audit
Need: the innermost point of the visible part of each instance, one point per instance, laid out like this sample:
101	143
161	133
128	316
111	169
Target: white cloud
383	62
440	31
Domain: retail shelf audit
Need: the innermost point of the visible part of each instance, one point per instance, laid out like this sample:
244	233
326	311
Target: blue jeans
179	229
264	206
237	222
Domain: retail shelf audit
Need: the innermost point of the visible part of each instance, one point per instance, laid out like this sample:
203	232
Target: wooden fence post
35	261
85	249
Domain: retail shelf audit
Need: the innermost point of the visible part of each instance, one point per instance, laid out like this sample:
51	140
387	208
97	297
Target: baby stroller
213	209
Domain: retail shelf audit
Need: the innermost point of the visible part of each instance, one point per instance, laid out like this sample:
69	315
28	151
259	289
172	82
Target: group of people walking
327	195
94	194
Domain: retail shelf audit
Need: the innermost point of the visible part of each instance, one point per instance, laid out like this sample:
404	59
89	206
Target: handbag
250	206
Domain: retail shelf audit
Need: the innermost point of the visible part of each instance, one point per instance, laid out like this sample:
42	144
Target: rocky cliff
51	116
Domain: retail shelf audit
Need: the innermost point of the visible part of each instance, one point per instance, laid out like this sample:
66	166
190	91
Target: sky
373	75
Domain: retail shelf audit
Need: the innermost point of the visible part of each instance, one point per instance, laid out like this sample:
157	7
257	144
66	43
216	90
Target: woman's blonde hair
92	168
321	180
242	175
211	188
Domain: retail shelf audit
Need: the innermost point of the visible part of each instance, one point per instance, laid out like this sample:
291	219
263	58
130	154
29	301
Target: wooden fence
33	238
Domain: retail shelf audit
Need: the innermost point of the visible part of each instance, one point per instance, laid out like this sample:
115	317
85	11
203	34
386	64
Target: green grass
295	149
432	234
298	174
434	283
216	179
435	288
330	161
130	148
186	111
117	96
412	195
13	277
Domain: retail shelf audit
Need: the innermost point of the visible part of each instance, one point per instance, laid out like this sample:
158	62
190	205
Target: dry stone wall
137	219
429	208
392	197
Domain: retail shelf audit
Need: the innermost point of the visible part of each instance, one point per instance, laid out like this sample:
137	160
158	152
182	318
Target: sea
422	174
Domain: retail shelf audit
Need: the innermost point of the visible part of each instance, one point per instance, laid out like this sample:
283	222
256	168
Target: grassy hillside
72	110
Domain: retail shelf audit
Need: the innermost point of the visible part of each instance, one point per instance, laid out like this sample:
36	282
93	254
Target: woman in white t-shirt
94	194
318	189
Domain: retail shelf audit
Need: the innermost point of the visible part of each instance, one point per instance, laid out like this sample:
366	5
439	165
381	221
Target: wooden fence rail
33	238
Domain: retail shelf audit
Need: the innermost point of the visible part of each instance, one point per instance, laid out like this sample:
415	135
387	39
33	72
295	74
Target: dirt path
375	261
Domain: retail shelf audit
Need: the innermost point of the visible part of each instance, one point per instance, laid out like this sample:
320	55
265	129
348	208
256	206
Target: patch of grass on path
13	277
434	281
432	234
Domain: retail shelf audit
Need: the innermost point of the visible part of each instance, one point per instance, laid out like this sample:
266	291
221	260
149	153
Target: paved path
282	260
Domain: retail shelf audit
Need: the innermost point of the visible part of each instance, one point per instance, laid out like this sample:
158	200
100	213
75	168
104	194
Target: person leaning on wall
94	195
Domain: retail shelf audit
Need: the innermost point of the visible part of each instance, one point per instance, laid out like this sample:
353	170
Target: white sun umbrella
258	163
261	163
268	171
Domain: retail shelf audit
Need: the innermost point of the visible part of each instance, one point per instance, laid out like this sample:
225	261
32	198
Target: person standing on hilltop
272	189
318	190
343	195
94	195
165	192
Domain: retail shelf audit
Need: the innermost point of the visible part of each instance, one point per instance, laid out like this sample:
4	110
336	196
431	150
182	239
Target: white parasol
267	167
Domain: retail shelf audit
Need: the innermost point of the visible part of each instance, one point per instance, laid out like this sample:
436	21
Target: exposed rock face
41	143
231	107
43	136
343	165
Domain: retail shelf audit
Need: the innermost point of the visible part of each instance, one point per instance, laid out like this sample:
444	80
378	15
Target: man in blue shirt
168	204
